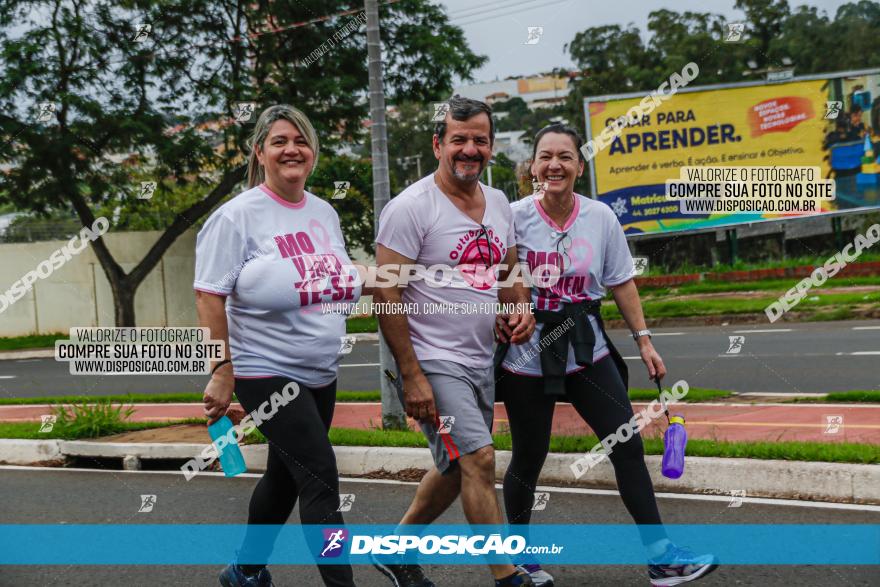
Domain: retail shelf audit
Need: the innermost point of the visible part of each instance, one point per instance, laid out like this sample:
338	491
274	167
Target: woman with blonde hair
266	262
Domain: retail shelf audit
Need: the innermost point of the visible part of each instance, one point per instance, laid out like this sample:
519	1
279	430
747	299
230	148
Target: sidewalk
730	422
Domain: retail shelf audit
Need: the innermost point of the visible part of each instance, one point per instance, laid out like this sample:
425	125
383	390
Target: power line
483	9
509	12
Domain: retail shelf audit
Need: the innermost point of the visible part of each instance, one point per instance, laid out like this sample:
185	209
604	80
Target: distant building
539	91
512	144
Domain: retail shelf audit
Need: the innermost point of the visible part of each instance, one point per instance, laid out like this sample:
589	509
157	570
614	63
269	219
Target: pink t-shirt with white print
279	263
423	224
590	248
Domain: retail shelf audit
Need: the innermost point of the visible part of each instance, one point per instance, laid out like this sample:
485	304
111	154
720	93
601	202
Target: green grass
788	451
32	341
844	397
676	308
31	430
695	394
361	324
779	285
743	266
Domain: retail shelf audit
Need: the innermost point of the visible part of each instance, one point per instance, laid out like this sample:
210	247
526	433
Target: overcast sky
498	29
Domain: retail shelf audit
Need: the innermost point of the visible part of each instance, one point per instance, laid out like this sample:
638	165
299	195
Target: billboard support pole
837	227
732	245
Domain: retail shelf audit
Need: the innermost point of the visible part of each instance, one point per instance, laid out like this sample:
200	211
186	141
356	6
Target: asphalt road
785	358
44	496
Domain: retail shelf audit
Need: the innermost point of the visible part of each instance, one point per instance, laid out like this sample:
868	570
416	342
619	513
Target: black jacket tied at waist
568	327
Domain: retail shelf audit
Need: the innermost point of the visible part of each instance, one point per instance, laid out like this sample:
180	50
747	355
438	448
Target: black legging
301	465
598	395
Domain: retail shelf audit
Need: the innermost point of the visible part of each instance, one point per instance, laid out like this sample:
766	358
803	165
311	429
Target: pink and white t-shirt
591	250
278	262
423	224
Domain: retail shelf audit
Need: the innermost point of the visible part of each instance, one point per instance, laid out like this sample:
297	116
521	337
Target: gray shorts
465	402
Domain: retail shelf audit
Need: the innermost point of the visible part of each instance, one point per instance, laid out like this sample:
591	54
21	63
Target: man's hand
517	327
418	398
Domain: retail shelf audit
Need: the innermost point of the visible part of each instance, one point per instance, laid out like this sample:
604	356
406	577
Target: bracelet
220	364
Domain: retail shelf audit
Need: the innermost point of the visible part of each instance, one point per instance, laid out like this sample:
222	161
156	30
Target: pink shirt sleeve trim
281	200
571	217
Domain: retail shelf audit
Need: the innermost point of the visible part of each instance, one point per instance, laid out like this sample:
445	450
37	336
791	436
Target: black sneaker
233	576
686	566
404	575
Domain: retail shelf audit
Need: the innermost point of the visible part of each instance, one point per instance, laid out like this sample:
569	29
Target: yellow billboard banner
780	124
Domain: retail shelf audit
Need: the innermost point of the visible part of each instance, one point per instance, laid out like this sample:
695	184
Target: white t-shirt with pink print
423	224
279	263
590	248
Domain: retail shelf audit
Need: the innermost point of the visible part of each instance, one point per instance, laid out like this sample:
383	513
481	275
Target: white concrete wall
78	293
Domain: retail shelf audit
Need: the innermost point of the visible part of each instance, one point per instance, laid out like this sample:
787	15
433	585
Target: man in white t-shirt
443	346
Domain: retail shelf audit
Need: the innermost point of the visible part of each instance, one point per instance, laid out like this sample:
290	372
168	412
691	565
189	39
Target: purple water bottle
674	442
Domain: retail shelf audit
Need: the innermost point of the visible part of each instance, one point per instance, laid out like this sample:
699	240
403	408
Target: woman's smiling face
285	155
557	164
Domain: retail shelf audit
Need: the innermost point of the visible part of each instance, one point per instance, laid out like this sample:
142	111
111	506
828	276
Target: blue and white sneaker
540	577
685	566
233	576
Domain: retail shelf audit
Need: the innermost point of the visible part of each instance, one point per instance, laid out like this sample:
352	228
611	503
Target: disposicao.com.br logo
476	545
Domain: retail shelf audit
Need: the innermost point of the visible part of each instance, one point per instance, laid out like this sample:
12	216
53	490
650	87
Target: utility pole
393	415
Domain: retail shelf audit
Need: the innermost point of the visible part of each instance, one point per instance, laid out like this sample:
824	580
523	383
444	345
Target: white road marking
764	330
668	333
866	327
859	353
361	365
8	376
572	490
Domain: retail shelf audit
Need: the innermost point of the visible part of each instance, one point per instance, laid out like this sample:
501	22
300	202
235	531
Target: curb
836	482
27	354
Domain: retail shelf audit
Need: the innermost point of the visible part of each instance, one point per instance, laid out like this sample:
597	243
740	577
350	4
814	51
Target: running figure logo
735	32
640	265
832	109
446	423
147	504
48	422
346	500
243	111
147	189
736	344
340	188
46	111
346	344
534	33
440	110
142	32
333	540
736	498
541	499
833	424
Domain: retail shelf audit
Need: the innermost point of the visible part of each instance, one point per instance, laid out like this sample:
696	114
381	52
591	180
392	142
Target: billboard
829	121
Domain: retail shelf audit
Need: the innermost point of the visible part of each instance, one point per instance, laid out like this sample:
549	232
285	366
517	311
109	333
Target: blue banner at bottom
148	544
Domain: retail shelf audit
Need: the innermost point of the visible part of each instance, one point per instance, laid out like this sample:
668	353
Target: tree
120	74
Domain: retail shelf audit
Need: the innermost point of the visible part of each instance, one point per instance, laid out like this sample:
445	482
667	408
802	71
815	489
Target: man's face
466	148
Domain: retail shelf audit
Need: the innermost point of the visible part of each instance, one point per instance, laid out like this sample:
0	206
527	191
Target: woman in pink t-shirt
268	264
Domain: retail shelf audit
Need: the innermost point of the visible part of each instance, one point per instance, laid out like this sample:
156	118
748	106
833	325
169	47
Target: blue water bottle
674	442
230	455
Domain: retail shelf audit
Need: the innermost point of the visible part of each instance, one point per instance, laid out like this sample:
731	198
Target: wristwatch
641	333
